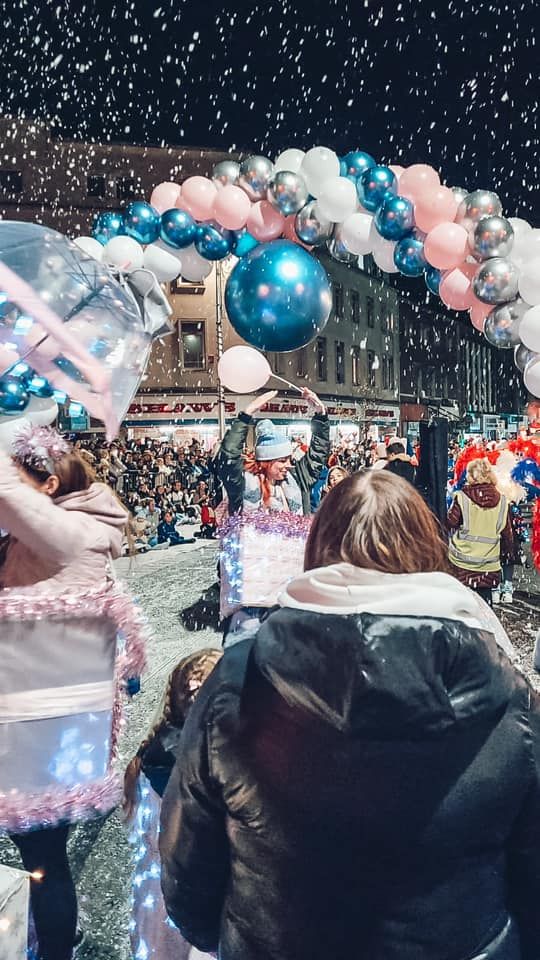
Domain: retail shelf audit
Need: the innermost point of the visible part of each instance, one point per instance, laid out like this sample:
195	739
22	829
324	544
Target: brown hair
73	471
182	688
377	521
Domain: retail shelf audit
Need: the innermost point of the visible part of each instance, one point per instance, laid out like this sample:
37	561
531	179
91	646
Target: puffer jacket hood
100	503
383	655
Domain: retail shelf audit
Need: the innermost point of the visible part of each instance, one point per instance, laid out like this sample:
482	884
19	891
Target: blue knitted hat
271	443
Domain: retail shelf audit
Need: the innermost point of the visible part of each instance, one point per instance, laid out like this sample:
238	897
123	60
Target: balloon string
289	384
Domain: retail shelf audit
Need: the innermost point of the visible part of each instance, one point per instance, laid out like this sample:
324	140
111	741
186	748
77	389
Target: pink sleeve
34	519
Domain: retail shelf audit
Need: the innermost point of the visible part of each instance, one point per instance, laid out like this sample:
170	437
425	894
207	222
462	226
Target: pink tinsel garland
24	811
267	521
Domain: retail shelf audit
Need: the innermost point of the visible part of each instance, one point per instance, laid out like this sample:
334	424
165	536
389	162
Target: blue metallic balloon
342	167
356	162
433	279
39	386
278	297
395	218
243	243
14	396
373	185
213	242
108	224
178	228
142	222
409	256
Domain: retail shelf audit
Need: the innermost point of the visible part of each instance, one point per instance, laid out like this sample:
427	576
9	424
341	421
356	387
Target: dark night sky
454	83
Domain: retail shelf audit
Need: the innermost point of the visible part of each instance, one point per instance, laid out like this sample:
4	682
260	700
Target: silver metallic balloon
478	204
226	172
255	175
501	328
496	281
492	237
287	192
310	227
460	193
523	356
338	250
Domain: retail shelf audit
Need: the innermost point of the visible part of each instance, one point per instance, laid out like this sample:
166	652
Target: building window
338	299
193	345
11	181
301	363
385	373
370	311
128	187
355	306
340	361
391	374
321	359
96	185
372	377
384	322
356	371
278	363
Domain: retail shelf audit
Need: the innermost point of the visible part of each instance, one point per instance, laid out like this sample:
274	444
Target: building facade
381	359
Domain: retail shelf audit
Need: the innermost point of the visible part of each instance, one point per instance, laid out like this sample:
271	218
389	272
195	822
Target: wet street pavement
167	583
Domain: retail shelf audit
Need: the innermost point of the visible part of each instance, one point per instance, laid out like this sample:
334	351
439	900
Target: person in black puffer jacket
360	781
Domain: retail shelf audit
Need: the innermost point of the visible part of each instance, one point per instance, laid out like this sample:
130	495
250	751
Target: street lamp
223	269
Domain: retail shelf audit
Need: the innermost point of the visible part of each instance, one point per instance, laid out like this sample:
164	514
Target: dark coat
402	467
357	787
306	471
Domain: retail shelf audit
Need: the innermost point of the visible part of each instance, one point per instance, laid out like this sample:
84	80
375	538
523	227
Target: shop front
181	418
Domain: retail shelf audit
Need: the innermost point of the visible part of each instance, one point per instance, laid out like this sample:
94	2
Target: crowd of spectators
165	487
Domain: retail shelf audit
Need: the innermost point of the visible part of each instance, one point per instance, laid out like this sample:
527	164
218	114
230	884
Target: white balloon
529	281
123	252
161	261
529	329
531	377
193	267
355	232
290	159
526	244
318	165
243	369
382	251
91	246
337	199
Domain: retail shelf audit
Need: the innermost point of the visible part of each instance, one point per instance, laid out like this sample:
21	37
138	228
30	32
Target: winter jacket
401	465
359	782
305	472
57	545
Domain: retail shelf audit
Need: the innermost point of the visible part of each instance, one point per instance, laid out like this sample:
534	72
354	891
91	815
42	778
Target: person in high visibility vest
480	523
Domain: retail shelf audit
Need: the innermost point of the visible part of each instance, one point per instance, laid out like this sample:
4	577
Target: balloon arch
270	215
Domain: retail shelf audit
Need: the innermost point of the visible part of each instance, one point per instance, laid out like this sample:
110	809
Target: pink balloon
264	221
416	180
396	169
164	196
198	197
231	207
243	369
434	206
478	313
446	246
455	288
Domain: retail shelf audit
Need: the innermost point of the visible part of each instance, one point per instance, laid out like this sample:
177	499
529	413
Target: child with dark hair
152	934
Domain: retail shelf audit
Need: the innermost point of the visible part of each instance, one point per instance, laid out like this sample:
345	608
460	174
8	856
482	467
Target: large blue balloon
14	396
108	224
278	297
243	243
39	386
409	256
394	218
373	185
178	228
355	162
213	242
142	222
433	278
